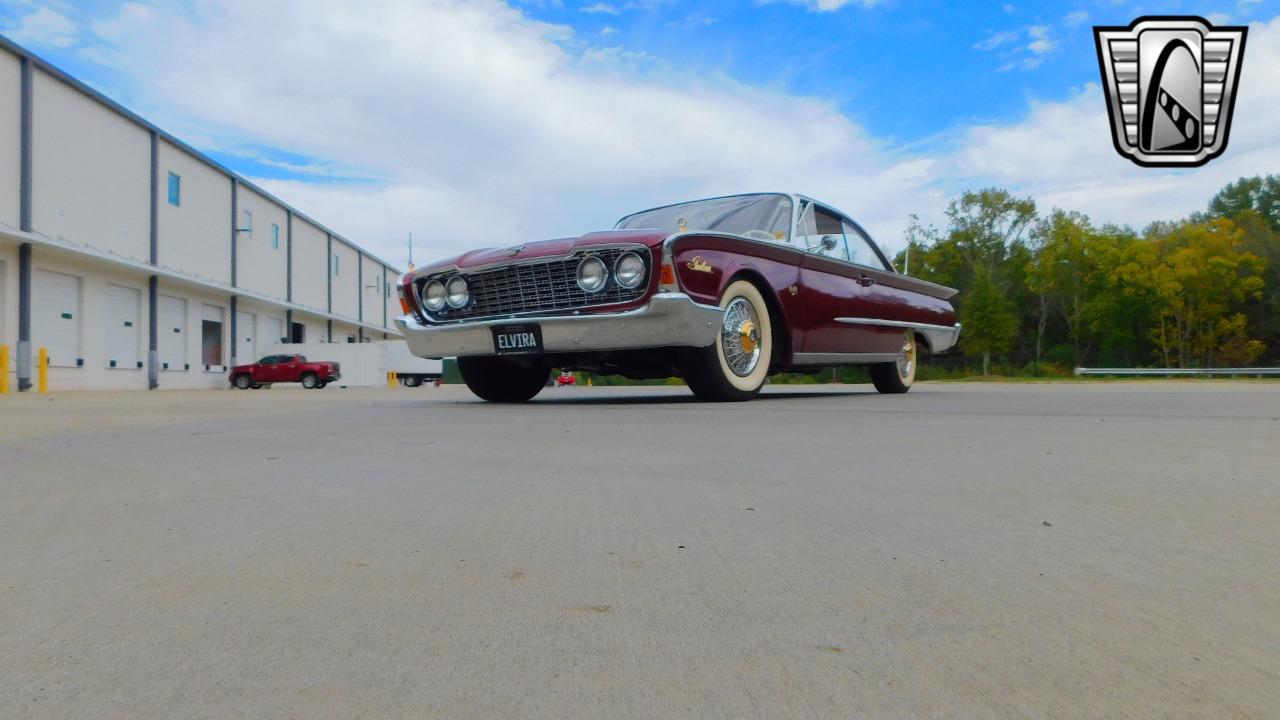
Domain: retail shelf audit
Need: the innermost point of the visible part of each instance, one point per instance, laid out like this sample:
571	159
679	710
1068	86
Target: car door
264	370
839	278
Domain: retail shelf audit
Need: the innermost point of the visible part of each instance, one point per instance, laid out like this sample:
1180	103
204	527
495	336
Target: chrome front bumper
669	320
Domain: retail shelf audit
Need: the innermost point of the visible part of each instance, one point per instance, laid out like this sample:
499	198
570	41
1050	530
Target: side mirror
828	243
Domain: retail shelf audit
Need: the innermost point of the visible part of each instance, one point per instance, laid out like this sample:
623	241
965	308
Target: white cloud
1040	43
600	7
826	5
484	127
994	40
1076	19
44	27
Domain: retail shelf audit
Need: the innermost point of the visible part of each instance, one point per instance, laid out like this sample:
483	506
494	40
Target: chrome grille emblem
1170	84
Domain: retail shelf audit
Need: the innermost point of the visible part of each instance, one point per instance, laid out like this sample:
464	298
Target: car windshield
760	216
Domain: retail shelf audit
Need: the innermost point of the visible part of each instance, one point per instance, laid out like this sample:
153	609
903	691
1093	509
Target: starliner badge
697	264
1170	84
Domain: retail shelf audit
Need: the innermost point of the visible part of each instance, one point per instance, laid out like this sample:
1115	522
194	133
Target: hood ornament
513	251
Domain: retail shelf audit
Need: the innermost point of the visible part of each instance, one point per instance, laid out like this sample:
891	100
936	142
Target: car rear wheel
412	381
498	380
310	381
243	381
897	377
735	367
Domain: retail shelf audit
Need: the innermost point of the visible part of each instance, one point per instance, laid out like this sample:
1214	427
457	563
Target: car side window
821	232
860	248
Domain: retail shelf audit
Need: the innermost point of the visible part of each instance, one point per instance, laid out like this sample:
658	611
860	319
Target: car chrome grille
533	287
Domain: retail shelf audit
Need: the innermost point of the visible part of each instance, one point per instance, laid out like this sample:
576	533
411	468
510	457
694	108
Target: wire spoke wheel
735	367
897	376
907	359
740	337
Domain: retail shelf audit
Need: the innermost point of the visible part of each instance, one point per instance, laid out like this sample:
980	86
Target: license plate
517	339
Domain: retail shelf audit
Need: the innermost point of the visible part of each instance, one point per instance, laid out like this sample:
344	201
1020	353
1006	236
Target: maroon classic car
722	292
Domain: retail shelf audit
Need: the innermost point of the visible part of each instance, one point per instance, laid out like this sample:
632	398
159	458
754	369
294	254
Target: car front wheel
735	367
897	377
310	381
498	380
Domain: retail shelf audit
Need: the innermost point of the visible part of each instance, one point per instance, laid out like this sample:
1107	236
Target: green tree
1071	273
1258	194
1195	276
989	320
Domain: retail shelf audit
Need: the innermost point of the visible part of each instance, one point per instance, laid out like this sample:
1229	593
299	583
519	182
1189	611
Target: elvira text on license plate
516	339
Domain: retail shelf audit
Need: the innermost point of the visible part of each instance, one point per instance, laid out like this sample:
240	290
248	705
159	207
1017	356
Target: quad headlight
629	270
592	275
457	292
433	296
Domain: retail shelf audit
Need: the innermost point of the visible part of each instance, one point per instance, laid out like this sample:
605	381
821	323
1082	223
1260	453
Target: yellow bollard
391	379
4	369
43	372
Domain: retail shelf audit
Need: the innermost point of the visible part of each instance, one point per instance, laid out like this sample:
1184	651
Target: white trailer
410	369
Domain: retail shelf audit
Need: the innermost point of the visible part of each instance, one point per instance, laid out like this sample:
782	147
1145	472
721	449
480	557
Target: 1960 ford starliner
721	292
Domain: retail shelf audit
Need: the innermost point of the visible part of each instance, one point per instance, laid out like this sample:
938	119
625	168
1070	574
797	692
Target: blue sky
487	122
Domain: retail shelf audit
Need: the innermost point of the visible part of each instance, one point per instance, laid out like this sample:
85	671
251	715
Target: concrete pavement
965	550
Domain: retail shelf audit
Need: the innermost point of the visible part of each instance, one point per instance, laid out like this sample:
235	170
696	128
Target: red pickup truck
284	368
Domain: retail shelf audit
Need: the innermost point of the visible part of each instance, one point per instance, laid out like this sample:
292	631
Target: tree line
1044	292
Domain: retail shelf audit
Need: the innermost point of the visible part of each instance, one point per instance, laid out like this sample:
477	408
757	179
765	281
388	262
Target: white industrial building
139	262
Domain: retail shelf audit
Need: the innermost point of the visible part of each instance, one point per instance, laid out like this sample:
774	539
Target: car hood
545	249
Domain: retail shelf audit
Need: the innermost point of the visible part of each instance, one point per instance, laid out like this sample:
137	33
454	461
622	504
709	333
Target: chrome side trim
893	323
669	320
938	337
841	358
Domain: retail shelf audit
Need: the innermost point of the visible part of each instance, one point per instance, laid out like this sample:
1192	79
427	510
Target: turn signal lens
404	307
668	275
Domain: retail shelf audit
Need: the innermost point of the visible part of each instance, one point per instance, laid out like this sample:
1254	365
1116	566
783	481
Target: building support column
360	285
153	334
235	227
23	364
330	329
24	224
288	256
328	239
153	284
382	293
288	326
234	331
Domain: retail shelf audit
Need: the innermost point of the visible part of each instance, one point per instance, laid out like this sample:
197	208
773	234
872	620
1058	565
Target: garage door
171	324
55	316
246	337
273	330
122	327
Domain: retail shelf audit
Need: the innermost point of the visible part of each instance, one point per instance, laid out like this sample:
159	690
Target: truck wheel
243	381
310	381
896	377
502	381
735	367
412	381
